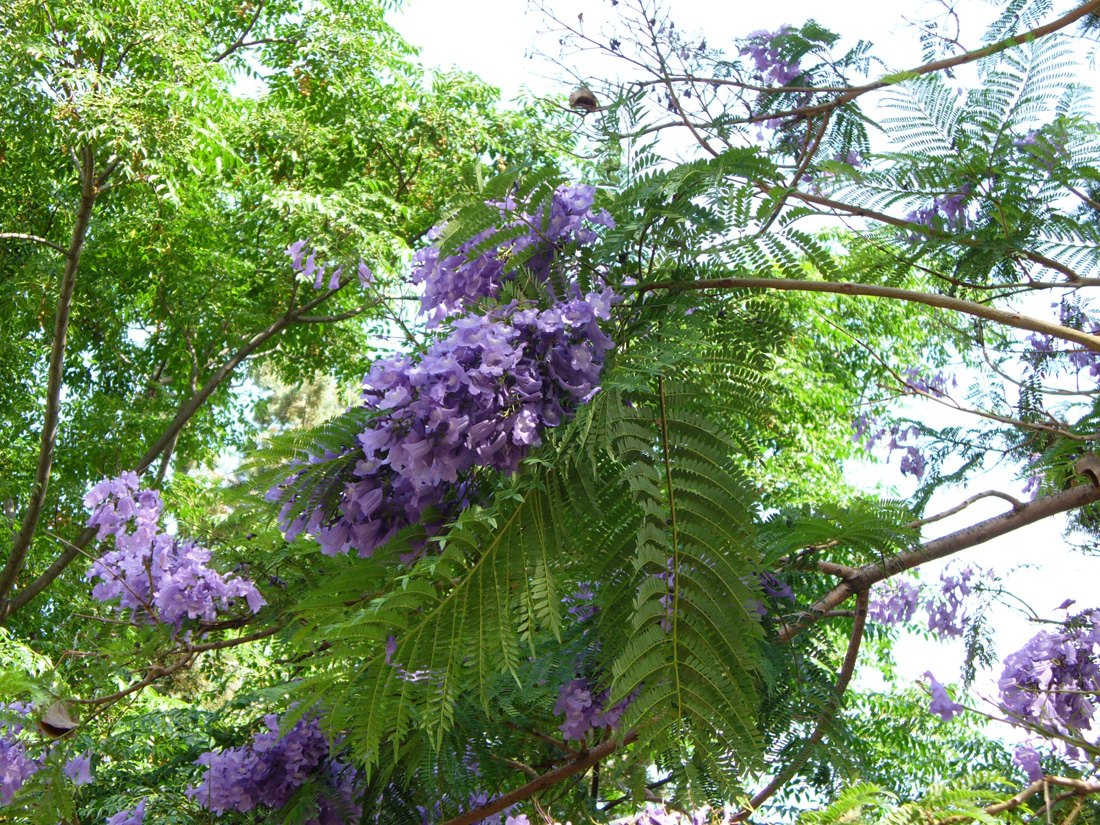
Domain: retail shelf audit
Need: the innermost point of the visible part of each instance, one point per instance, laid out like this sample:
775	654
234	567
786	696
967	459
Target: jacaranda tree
581	545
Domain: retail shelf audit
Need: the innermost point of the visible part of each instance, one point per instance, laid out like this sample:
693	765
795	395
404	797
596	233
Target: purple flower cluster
913	462
79	769
947	610
1054	680
151	573
580	604
307	266
1043	350
454	284
935	385
941	702
584	711
894	602
1029	761
267	771
132	816
16	767
479	397
946	211
761	47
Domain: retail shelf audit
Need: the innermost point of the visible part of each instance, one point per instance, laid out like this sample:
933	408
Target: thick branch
23	236
1012	319
582	763
54	379
964	539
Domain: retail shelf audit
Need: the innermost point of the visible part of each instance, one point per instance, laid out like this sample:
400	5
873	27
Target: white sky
496	40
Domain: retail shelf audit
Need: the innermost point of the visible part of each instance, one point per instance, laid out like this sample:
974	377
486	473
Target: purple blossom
79	769
1029	761
775	588
580	603
132	816
935	385
947	211
941	702
366	276
763	49
585	712
948	611
272	767
894	603
1054	680
455	283
16	767
151	573
479	397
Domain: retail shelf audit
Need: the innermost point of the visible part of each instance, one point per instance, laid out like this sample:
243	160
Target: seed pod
57	721
583	100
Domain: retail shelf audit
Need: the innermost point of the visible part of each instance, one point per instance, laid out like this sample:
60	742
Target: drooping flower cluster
268	770
158	577
16	766
1046	354
584	711
1054	680
455	283
131	816
947	211
913	461
942	704
894	602
479	396
948	607
762	48
306	265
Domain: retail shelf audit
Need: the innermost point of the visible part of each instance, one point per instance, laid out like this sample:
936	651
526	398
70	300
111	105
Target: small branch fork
1026	513
187	655
1076	787
186	411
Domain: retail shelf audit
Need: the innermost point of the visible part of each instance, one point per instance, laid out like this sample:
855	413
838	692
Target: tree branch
55	378
23	236
894	78
239	42
968	537
583	762
156	672
1078	787
1012	319
844	677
